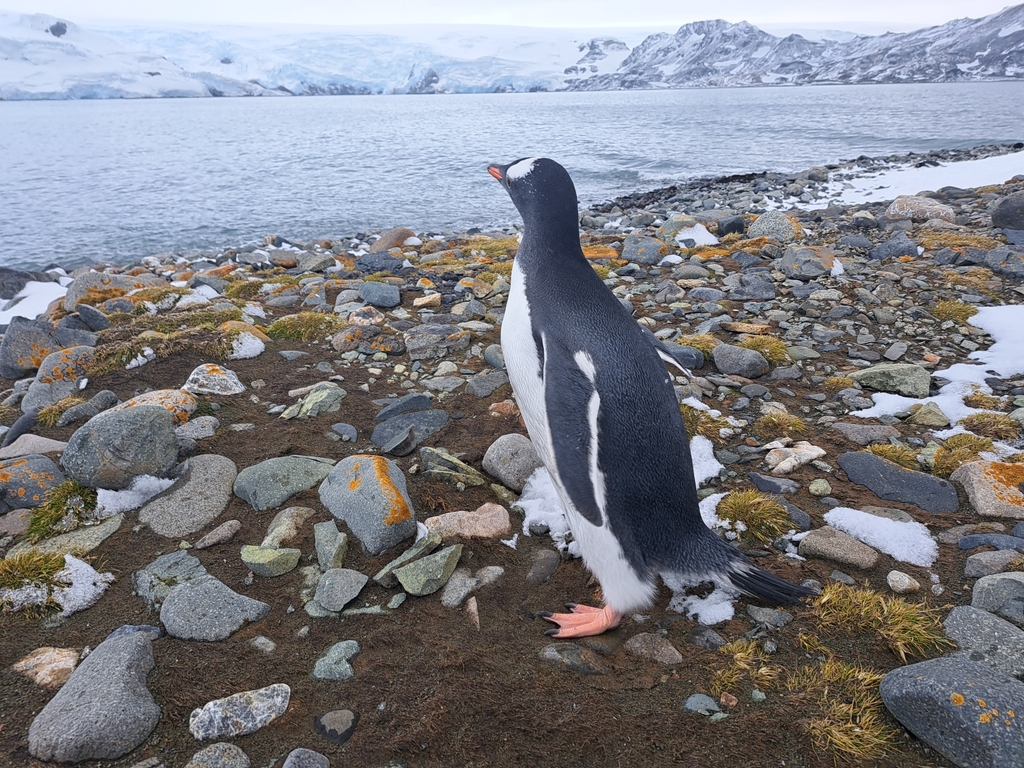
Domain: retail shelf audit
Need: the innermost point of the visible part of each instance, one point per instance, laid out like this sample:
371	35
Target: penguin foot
584	621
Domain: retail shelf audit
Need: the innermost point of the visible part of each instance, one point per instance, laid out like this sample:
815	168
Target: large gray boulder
104	710
511	459
26	343
61	375
272	482
196	499
899	378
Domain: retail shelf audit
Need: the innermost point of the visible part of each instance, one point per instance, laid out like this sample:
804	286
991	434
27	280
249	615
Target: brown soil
431	689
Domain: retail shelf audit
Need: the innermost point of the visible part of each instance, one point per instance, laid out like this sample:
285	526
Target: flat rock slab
81	540
219	755
832	544
989	563
29	444
487	522
240	713
573	657
866	434
104	710
892	482
335	664
272	482
428	574
207	609
154	582
270	562
196	499
48	667
338	587
986	639
993	487
654	647
1002	594
899	378
961	709
424	423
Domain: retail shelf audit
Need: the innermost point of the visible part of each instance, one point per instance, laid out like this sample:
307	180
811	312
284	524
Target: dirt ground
431	689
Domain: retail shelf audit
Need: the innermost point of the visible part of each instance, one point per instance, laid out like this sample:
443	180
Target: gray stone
1002	594
315	262
866	434
832	544
386	575
348	433
331	545
154	582
959	708
892	482
25	480
929	415
700	703
806	262
993	488
769	617
92	317
887	512
423	423
997	540
573	657
285	525
104	710
368	494
392	238
644	250
705	293
338	587
324	398
410	403
770	484
113	448
776	225
899	378
896	246
98	403
730	359
61	374
511	459
443	383
335	664
272	482
28	444
919	209
895	351
25	344
196	499
103	281
705	637
383	295
459	587
753	286
428	574
1007	261
485	384
219	755
213	379
306	758
207	609
270	562
989	563
222	534
240	713
494	357
337	725
655	647
986	639
81	540
199	428
433	340
440	464
1009	212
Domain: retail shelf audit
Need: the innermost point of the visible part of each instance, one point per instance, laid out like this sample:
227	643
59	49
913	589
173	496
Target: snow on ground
31	301
908	542
141	490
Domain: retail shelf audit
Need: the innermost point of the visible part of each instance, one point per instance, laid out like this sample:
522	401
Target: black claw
552	632
544	614
571	606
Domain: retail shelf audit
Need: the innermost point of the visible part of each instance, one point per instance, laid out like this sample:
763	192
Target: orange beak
495	171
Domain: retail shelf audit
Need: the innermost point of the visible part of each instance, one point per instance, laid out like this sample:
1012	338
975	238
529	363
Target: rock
806	262
775	225
25	481
866	434
334	663
993	487
393	238
486	522
901	583
106	284
769	617
331	545
427	341
997	540
222	534
196	499
206	609
919	209
443	383
48	667
368	494
338	587
61	374
782	461
98	403
458	588
213	379
644	250
337	725
410	403
1009	212
154	582
25	344
108	688
306	758
219	755
422	423
701	704
272	482
989	563
960	709
1007	261
573	657
896	246
324	398
654	647
831	544
198	428
179	403
770	484
730	359
26	445
485	384
1002	594
986	639
270	562
899	378
240	713
113	448
892	482
380	294
706	638
428	574
545	563
285	525
753	286
929	415
81	540
386	576
511	459
439	464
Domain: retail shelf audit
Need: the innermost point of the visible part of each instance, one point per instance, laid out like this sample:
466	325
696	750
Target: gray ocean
113	181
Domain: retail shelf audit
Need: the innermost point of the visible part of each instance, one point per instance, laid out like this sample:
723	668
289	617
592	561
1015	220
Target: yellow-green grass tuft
243	288
777	424
494	246
998	426
838	383
749	658
934	241
772	348
950	309
957	450
705	342
8	413
30	567
64	508
979	399
909	629
50	415
764	518
897	454
698	422
306	326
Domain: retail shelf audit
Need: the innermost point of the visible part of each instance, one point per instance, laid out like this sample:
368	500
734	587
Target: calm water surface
87	181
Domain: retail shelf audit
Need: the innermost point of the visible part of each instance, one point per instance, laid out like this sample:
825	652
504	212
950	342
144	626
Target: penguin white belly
623	589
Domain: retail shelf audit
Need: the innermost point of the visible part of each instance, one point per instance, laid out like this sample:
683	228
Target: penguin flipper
760	584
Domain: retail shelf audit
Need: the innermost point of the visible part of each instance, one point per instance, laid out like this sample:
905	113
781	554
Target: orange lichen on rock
1007	481
239	326
600	252
177	402
399	510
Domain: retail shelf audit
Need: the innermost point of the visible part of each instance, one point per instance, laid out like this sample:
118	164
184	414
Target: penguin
600	408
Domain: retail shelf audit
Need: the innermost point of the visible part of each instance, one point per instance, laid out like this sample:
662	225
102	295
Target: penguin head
541	190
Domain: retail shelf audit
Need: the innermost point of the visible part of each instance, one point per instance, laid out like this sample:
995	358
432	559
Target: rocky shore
275	506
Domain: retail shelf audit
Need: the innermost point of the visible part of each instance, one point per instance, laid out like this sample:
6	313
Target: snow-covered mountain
43	57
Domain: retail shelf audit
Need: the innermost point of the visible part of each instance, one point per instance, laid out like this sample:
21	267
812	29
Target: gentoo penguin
601	410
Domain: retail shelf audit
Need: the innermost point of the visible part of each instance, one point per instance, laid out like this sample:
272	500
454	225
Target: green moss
306	326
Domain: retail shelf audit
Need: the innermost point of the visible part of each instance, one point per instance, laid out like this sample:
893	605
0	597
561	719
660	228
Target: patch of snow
145	356
194	299
717	607
907	542
705	465
85	585
142	489
24	596
246	345
31	301
837	268
541	505
698	233
709	511
511	542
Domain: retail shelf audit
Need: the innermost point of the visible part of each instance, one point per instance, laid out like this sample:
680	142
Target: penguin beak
498	172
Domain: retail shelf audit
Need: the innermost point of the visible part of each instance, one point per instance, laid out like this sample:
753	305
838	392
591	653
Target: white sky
869	16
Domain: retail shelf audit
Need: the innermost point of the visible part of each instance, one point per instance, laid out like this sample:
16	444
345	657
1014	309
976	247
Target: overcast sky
865	15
